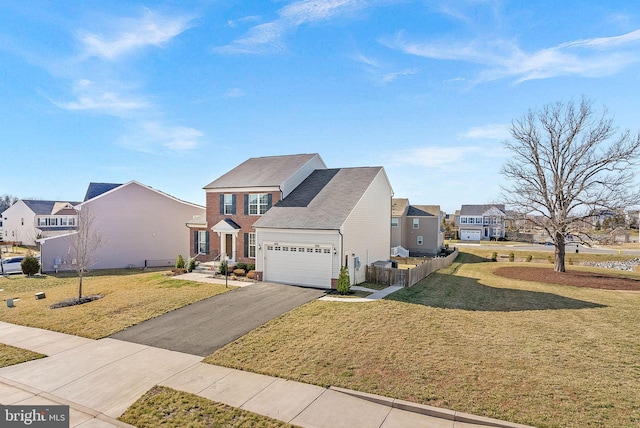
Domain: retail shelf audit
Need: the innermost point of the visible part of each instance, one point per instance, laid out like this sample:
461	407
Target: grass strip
10	355
166	407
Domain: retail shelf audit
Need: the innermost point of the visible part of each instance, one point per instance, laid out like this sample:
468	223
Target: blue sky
173	94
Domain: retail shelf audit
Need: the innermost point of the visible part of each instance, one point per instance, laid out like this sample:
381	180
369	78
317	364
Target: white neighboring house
334	218
482	222
140	226
30	219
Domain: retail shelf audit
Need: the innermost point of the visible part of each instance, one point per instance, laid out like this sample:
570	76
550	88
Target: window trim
259	202
416	223
420	240
395	222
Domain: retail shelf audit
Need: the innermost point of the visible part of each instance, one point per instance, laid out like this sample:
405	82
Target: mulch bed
570	277
75	301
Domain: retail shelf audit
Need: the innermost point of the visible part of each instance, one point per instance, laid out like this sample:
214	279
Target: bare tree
567	162
85	244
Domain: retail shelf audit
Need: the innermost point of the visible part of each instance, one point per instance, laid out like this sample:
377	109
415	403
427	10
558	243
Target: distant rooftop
97	189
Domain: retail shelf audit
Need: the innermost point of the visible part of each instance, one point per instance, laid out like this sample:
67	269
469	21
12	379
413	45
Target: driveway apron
203	327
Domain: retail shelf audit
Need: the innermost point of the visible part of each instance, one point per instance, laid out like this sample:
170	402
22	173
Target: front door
229	245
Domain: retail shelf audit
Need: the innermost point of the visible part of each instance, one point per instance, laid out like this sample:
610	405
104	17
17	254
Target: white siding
367	232
137	224
13	227
294	181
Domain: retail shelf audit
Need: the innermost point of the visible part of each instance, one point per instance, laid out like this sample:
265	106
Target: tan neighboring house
416	228
140	226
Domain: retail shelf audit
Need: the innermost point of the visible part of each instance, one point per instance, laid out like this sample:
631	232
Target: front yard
130	297
468	340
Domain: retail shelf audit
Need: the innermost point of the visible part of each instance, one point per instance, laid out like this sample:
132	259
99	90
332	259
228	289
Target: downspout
341	252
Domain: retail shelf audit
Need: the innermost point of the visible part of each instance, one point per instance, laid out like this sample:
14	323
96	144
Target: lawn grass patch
10	355
465	339
130	297
166	407
373	286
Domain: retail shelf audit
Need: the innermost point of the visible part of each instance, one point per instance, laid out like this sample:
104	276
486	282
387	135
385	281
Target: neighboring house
334	218
140	226
482	222
417	228
237	199
28	220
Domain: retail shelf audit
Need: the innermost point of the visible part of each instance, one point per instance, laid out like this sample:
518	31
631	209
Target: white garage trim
304	264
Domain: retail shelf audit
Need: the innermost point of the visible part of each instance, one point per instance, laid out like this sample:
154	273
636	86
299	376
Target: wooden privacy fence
408	277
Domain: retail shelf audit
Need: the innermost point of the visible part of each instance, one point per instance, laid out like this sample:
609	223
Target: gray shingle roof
322	202
40	207
97	189
479	209
415	211
262	172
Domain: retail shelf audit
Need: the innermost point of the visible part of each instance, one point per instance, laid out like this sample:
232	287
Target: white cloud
234	93
152	29
233	23
487	132
390	77
267	37
596	57
96	98
154	137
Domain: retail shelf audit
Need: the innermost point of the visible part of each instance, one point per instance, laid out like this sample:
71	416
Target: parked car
12	264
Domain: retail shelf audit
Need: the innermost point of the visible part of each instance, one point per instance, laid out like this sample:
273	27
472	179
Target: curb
429	410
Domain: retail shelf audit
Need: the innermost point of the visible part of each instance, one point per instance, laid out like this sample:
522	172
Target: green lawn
467	340
130	297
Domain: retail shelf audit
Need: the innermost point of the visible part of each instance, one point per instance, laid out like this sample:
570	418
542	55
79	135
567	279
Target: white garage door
302	264
470	235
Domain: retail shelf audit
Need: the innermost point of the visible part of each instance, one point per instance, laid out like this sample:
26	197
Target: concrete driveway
205	326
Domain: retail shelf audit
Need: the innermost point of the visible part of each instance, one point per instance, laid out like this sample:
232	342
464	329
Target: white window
203	242
420	240
394	222
416	223
463	220
228	205
258	204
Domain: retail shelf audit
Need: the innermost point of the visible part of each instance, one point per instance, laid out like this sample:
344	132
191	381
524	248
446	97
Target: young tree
567	162
85	244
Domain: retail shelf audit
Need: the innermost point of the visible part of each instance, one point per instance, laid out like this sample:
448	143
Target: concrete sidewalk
100	379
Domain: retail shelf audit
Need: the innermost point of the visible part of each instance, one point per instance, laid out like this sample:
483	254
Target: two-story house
482	222
416	228
31	219
239	198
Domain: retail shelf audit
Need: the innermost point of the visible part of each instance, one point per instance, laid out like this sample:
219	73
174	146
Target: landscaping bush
239	272
512	257
250	266
223	267
30	265
529	257
241	265
180	262
343	286
191	264
494	257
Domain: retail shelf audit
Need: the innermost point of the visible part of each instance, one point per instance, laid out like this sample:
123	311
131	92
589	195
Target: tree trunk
559	253
80	287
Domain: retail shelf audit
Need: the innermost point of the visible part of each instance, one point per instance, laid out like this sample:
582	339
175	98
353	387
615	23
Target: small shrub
494	257
529	257
239	272
30	265
223	267
512	257
250	266
191	264
343	285
180	262
251	274
241	265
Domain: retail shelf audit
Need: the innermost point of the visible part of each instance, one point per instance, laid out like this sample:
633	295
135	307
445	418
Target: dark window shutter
246	204
206	237
246	245
233	204
269	198
221	204
195	242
